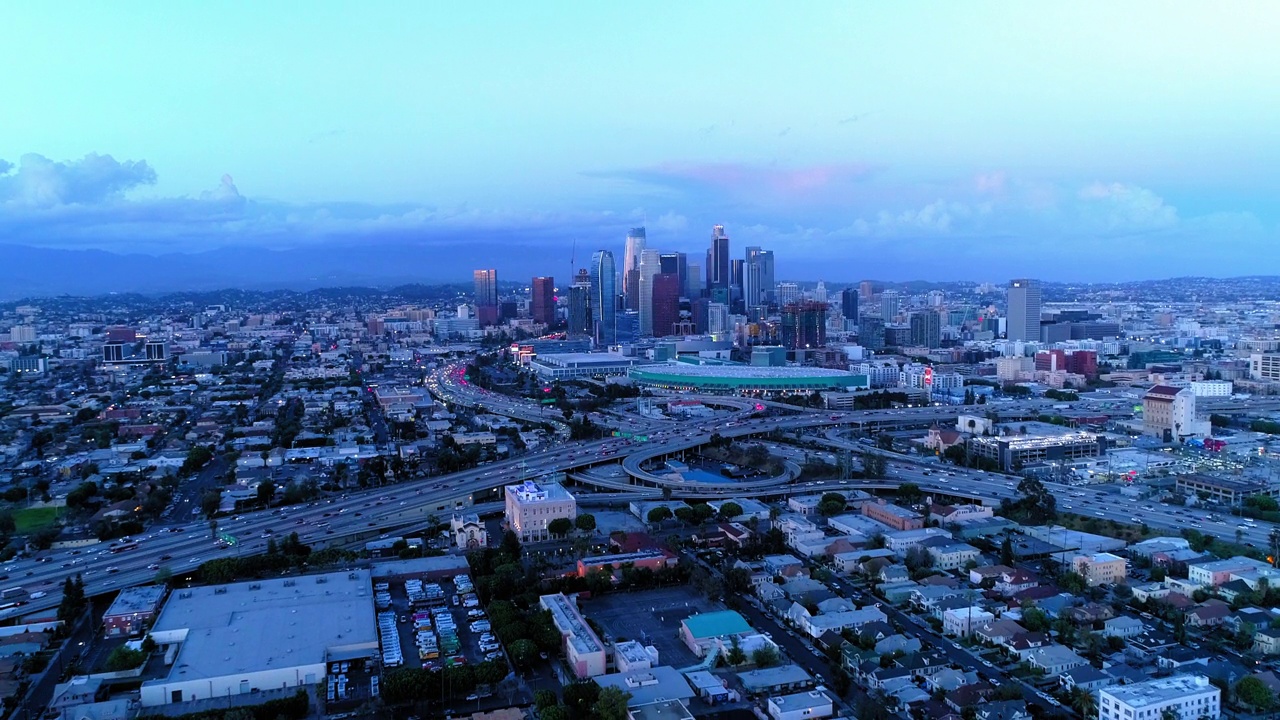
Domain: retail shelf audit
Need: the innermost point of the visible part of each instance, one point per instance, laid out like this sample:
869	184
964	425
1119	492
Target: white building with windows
530	507
1190	697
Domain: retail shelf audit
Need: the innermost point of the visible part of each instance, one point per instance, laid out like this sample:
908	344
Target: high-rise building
871	332
650	267
820	292
849	304
486	282
735	279
542	302
604	297
717	318
890	303
787	293
753	279
866	290
926	329
693	282
665	303
718	266
804	325
580	306
1024	310
631	267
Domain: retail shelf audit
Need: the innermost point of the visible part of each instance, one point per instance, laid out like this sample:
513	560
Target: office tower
650	266
890	302
486	282
631	267
752	287
580	306
849	304
718	267
508	310
866	290
935	298
693	282
735	279
112	352
804	325
765	259
628	328
717	318
787	293
542	301
669	263
1024	310
871	332
820	292
157	350
926	329
665	303
604	297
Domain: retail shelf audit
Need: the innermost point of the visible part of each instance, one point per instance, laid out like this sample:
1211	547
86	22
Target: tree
611	704
585	522
1006	552
543	699
266	492
659	514
909	493
210	501
580	697
1253	692
560	527
554	712
730	510
1084	702
735	656
125	658
523	652
511	544
764	656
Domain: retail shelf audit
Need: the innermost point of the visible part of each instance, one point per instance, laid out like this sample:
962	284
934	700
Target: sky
906	140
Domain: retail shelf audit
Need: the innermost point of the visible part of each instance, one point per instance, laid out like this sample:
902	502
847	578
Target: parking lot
652	617
454	604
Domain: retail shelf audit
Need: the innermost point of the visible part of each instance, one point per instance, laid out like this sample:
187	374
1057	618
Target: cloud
41	182
742	183
1120	208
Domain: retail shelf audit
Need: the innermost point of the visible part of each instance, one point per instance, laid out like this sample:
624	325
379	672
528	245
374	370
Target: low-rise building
1189	697
1054	659
1100	568
1217	572
901	542
701	632
468	531
962	622
811	705
898	518
583	651
132	610
952	555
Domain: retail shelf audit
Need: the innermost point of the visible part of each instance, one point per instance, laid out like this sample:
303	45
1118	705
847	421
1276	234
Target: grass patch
29	520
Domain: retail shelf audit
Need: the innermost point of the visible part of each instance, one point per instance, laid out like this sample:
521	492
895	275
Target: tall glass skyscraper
604	297
631	267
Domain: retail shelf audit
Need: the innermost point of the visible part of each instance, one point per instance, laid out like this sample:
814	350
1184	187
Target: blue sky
888	140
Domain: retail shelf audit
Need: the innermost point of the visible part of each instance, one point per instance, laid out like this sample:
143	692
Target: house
1124	626
988	574
1011	582
1257	617
1233	589
1085	677
1054	659
1210	613
968	696
1023	644
927	597
1266	641
998	632
949	679
1089	613
894	573
1004	710
851	561
787	566
1179	658
898	644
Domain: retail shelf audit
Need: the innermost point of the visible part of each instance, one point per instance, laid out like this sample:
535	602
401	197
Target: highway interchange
369	514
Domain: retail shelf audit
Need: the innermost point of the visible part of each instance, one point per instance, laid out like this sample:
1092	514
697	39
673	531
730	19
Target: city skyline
1077	133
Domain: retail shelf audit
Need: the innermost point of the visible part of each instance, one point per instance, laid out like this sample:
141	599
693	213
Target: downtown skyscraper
604	297
486	283
718	265
1023	317
631	252
542	300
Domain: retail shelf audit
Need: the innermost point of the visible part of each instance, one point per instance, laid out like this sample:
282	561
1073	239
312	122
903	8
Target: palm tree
1084	702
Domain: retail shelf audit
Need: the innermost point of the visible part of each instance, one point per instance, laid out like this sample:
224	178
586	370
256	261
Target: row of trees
560	527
